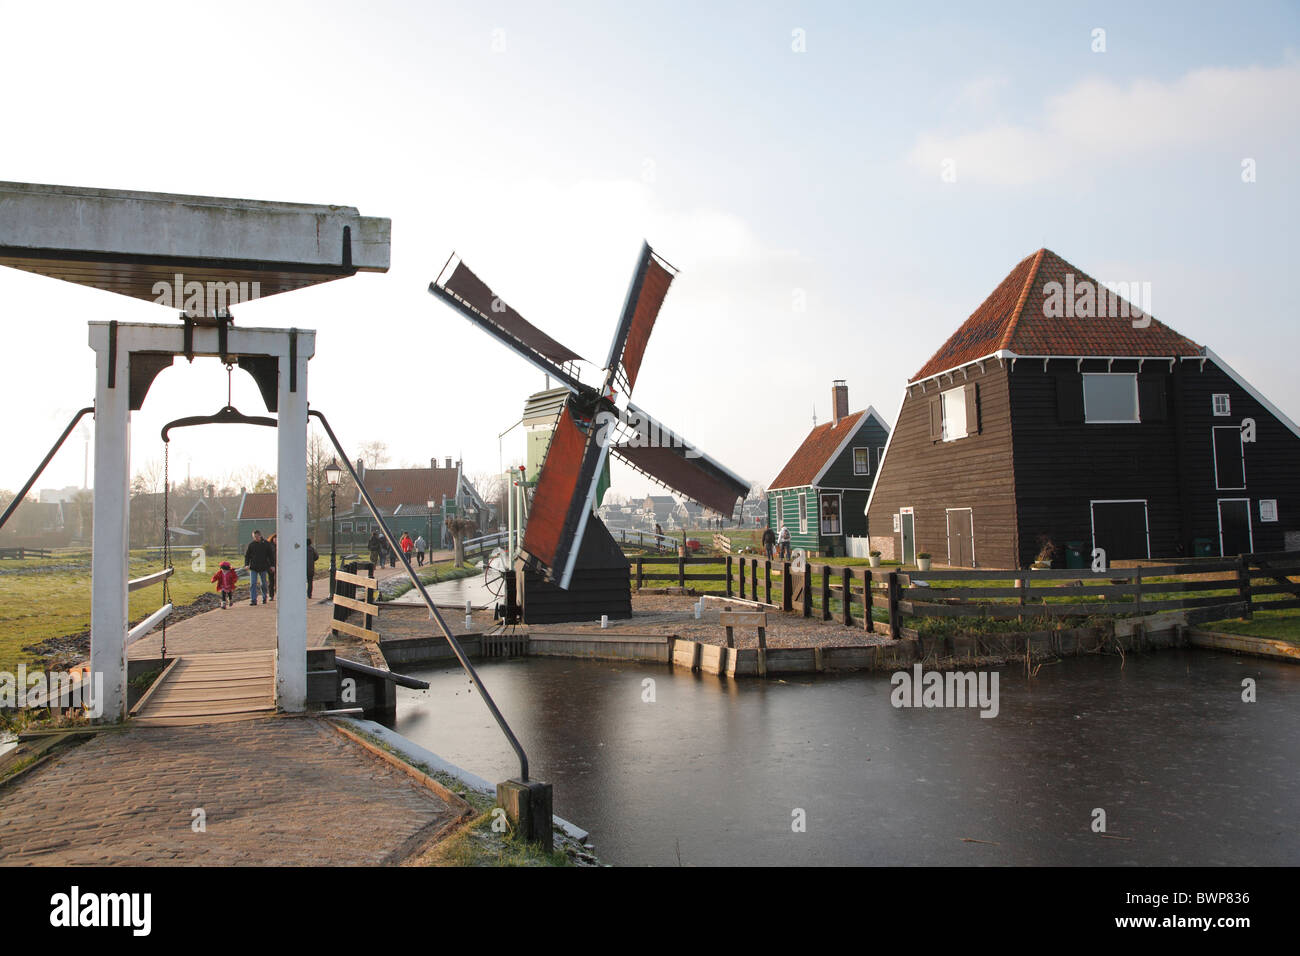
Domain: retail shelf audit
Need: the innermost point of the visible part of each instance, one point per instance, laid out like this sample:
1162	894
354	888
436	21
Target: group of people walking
778	542
259	561
381	553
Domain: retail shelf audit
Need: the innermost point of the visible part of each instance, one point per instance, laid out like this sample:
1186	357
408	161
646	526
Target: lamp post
429	513
332	475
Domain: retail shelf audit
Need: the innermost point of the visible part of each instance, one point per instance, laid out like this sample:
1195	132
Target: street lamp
429	512
332	475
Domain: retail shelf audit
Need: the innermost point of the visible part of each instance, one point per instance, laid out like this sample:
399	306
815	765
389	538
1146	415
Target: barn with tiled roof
1062	418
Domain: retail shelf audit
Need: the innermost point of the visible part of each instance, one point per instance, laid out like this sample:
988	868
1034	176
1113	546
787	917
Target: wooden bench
756	619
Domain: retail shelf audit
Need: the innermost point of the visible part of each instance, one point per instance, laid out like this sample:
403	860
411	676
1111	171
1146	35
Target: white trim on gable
848	439
880	465
1252	391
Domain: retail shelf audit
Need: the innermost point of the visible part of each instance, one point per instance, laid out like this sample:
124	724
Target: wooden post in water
1137	593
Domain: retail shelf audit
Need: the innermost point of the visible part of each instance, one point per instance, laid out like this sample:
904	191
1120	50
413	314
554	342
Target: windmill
564	541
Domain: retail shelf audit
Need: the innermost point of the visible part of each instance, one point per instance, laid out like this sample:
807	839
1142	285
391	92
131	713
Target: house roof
1016	318
257	506
822	443
409	488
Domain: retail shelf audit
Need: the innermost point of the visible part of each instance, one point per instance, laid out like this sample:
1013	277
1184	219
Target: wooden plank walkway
211	688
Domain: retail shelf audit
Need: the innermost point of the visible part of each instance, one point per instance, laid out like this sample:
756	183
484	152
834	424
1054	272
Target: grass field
37	604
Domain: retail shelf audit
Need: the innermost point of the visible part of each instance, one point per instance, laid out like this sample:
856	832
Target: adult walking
407	546
769	542
374	546
312	558
258	558
270	572
420	547
783	542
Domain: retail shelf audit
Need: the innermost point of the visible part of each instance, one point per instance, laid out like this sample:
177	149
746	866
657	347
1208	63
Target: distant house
1060	413
211	520
821	493
403	495
661	510
256	513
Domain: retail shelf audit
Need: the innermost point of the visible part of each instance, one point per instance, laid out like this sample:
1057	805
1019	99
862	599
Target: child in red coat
226	579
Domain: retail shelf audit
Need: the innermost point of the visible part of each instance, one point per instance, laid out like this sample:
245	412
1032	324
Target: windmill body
566	548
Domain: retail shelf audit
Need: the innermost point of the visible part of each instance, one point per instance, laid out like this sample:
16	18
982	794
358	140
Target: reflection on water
714	769
454	593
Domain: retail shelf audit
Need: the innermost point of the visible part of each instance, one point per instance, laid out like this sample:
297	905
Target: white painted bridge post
291	528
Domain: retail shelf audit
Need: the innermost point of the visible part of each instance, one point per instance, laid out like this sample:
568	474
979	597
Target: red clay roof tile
815	451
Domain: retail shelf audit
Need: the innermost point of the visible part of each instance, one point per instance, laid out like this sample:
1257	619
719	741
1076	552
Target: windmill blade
659	453
645	297
470	295
557	517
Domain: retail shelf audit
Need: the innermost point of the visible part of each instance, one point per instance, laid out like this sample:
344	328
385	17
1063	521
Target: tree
491	487
374	453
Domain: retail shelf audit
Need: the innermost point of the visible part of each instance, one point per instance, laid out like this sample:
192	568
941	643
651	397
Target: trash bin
1074	557
1202	548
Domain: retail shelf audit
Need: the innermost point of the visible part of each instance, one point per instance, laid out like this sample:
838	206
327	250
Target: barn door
961	538
907	524
1120	529
1235	533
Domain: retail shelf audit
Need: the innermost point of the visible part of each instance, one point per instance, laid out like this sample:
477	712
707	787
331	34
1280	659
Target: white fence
858	547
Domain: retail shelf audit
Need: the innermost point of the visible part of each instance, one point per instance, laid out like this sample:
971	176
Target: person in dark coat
270	572
374	545
312	558
769	542
258	558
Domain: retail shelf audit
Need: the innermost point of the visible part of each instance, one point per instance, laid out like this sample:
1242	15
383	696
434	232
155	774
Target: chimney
448	461
212	491
361	466
839	401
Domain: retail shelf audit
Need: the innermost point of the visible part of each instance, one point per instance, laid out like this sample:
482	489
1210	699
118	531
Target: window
862	461
803	514
830	505
1222	405
1268	509
954	414
1110	397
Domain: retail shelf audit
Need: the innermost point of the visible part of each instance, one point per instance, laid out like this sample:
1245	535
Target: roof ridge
1010	329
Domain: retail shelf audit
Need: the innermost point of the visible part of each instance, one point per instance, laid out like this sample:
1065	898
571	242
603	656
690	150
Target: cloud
1098	122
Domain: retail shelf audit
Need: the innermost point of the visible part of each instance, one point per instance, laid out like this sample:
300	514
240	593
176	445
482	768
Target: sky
840	184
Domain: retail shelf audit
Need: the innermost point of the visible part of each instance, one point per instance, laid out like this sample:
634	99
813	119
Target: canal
717	772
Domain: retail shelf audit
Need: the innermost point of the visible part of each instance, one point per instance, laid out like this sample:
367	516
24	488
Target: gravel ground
663	614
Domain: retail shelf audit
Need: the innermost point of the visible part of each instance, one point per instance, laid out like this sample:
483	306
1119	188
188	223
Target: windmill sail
553	534
645	297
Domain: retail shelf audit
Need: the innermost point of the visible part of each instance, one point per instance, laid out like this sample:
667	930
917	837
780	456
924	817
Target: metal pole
433	608
333	544
18	498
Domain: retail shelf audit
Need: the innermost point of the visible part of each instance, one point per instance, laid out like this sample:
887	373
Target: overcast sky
544	142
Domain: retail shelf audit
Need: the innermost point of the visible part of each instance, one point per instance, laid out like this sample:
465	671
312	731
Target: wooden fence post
826	592
742	578
681	571
1137	593
868	579
847	575
787	595
640	572
895	616
1243	584
767	581
807	588
729	570
753	579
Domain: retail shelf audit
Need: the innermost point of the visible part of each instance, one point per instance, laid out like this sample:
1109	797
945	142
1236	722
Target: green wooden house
822	491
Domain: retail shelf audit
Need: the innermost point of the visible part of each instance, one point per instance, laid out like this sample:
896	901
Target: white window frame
803	512
1250	524
1092	520
960	390
779	515
1263	515
856	449
1137	412
1214	456
1227	404
821	520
